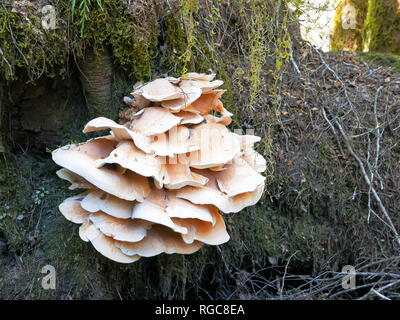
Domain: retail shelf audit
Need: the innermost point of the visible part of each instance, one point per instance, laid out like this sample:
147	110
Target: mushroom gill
157	183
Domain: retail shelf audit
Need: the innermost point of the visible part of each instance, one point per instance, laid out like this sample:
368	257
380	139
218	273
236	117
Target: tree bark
377	26
381	30
96	78
345	36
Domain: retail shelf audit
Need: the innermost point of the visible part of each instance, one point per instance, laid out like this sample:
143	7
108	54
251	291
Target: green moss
28	47
388	60
175	40
381	30
25	45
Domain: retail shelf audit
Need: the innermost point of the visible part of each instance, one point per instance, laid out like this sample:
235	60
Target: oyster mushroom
156	183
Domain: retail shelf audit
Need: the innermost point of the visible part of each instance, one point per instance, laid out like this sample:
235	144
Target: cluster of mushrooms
156	183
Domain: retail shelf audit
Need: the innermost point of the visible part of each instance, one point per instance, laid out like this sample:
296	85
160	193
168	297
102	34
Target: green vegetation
388	60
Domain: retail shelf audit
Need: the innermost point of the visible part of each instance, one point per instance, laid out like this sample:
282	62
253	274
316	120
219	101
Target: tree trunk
382	26
376	26
96	78
348	25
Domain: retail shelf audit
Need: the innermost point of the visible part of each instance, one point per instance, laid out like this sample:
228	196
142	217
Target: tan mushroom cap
207	102
199	76
72	210
77	182
120	229
128	156
179	175
189	117
204	231
255	160
159	240
177	140
247	141
183	209
159	90
204	85
98	200
105	245
211	194
154	120
173	176
81	159
88	231
238	177
162	205
153	210
190	95
225	118
218	146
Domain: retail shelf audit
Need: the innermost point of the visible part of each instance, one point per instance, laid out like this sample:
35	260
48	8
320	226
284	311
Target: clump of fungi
156	183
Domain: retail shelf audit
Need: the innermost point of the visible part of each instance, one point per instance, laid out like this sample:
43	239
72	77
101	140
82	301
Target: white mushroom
81	159
159	240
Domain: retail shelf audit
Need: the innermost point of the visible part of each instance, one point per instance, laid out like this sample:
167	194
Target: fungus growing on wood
157	182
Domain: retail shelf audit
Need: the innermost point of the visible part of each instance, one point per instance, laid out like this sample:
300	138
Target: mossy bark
381	30
377	26
344	37
96	78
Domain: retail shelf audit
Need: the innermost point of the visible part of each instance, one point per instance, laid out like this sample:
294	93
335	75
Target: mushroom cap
77	182
88	231
207	102
159	240
153	210
159	90
218	146
225	118
98	200
183	209
189	95
162	205
81	159
178	139
128	156
211	194
199	76
189	117
247	141
238	171
179	175
204	231
120	229
204	85
105	245
154	120
72	210
255	160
